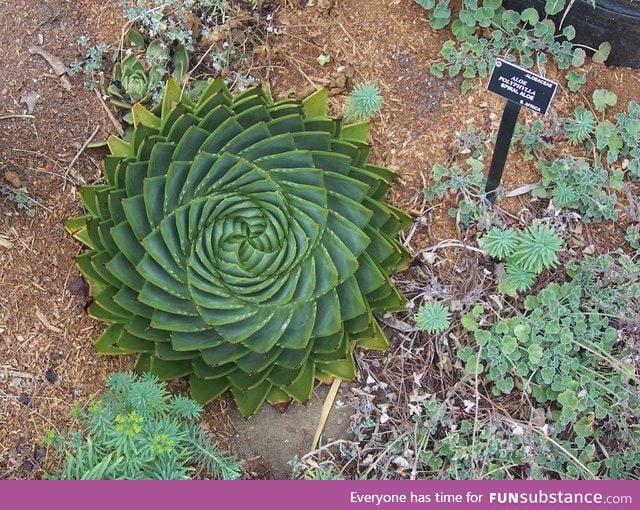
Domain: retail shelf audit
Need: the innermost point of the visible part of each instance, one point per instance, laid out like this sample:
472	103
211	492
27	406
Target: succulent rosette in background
241	242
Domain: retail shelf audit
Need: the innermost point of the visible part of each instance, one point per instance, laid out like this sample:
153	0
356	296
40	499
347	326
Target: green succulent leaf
552	7
433	317
135	39
602	98
538	248
500	243
241	242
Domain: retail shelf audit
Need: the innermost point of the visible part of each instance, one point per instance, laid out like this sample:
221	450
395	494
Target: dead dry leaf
46	322
521	190
397	324
4	242
56	64
12	179
30	99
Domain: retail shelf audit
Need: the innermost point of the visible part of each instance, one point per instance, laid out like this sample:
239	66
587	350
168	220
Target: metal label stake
520	87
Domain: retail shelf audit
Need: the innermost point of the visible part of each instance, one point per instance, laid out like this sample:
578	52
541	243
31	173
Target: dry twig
82	149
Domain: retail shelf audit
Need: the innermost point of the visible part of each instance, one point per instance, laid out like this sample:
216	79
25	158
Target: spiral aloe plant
241	242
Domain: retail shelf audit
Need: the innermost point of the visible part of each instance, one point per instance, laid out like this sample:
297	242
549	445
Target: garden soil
47	361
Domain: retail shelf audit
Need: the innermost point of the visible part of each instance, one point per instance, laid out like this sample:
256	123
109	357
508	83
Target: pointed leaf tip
119	147
359	131
316	104
143	117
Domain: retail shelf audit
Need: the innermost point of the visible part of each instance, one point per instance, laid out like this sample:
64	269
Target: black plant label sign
521	86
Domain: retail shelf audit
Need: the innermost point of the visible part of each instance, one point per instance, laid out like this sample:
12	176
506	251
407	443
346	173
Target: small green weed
571	351
467	185
575	184
472	142
23	201
589	184
632	235
534	139
363	102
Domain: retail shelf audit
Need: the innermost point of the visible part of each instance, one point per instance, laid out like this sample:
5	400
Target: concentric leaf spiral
241	242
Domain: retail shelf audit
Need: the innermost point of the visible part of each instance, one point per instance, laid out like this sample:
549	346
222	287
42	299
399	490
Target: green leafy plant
433	317
241	242
363	102
589	184
632	235
575	184
611	139
92	60
467	185
526	253
439	12
575	80
534	138
570	351
484	31
603	98
137	431
172	20
472	142
628	131
22	201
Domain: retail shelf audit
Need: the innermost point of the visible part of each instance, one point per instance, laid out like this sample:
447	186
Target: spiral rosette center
241	242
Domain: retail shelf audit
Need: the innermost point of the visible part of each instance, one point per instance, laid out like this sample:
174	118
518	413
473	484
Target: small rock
50	375
27	467
12	179
40	454
79	287
30	99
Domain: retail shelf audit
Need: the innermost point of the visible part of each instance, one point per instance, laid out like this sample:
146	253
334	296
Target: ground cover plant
138	431
523	37
511	350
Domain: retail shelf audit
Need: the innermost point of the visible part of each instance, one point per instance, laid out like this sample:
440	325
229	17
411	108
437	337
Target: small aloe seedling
580	127
433	317
141	75
500	243
538	248
363	103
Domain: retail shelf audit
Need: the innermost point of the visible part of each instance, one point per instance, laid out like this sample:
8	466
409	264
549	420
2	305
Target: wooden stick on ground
112	118
15	116
82	149
326	409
